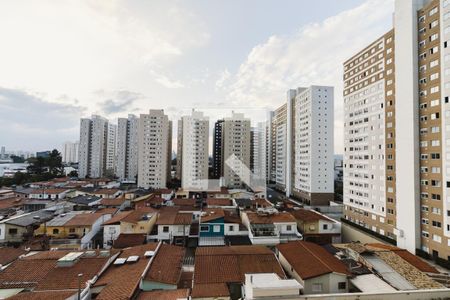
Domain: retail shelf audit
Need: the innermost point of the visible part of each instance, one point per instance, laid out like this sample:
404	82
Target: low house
165	268
316	227
224	203
85	202
50	193
6	193
150	200
270	227
219	272
313	267
221	193
20	228
78	227
120	202
107	193
235	232
172	226
9	205
140	221
265	285
125	240
212	227
166	194
139	270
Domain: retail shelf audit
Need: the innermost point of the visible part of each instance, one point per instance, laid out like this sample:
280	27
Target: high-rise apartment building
194	151
236	138
3	153
179	166
127	148
302	147
396	170
69	152
258	152
97	147
217	150
155	148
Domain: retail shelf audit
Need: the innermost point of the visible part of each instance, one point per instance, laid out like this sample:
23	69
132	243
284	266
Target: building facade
217	149
127	148
155	147
69	152
194	151
97	147
302	145
395	164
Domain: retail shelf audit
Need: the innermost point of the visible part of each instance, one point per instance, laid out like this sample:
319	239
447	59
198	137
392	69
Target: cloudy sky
62	60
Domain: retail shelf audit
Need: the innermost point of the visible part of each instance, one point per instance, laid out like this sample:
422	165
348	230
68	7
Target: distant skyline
65	60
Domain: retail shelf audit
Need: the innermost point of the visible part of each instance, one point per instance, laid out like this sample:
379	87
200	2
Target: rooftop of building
307	215
310	260
125	240
269	218
171	215
217	266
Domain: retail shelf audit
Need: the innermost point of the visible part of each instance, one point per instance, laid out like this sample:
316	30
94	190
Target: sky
67	59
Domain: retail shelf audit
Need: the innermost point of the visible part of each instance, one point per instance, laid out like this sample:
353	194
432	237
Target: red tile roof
164	295
43	295
166	265
281	217
86	219
307	215
172	216
9	254
125	240
60	278
218	202
311	260
121	281
24	273
217	266
210	214
12	202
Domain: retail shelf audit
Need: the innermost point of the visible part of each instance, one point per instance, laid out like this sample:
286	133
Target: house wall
110	232
214	229
152	285
14	237
329	281
235	230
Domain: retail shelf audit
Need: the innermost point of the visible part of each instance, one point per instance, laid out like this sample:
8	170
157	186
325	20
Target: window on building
204	228
342	285
165	228
12	231
55	231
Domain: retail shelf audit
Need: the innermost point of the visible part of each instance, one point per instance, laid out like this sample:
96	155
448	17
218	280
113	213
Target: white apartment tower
302	147
236	143
155	146
258	152
194	151
127	148
69	152
97	147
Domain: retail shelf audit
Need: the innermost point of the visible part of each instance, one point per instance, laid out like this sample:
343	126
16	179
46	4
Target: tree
17	159
54	162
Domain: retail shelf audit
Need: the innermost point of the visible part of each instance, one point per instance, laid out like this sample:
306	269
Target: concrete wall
351	234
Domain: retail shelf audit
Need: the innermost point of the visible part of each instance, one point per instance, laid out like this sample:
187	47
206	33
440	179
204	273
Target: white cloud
166	81
313	55
76	47
223	78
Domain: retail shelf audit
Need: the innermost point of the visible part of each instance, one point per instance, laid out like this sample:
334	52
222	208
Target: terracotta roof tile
307	215
113	202
218	202
86	219
25	273
43	295
166	265
121	281
12	202
206	290
281	217
9	254
416	261
125	240
217	266
60	278
210	214
311	260
164	295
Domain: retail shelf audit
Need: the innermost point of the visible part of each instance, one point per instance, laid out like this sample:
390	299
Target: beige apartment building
396	171
155	146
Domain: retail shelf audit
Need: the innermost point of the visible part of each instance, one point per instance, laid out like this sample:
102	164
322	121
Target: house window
72	230
317	287
325	226
288	227
204	228
56	231
165	228
216	228
231	228
12	231
342	285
